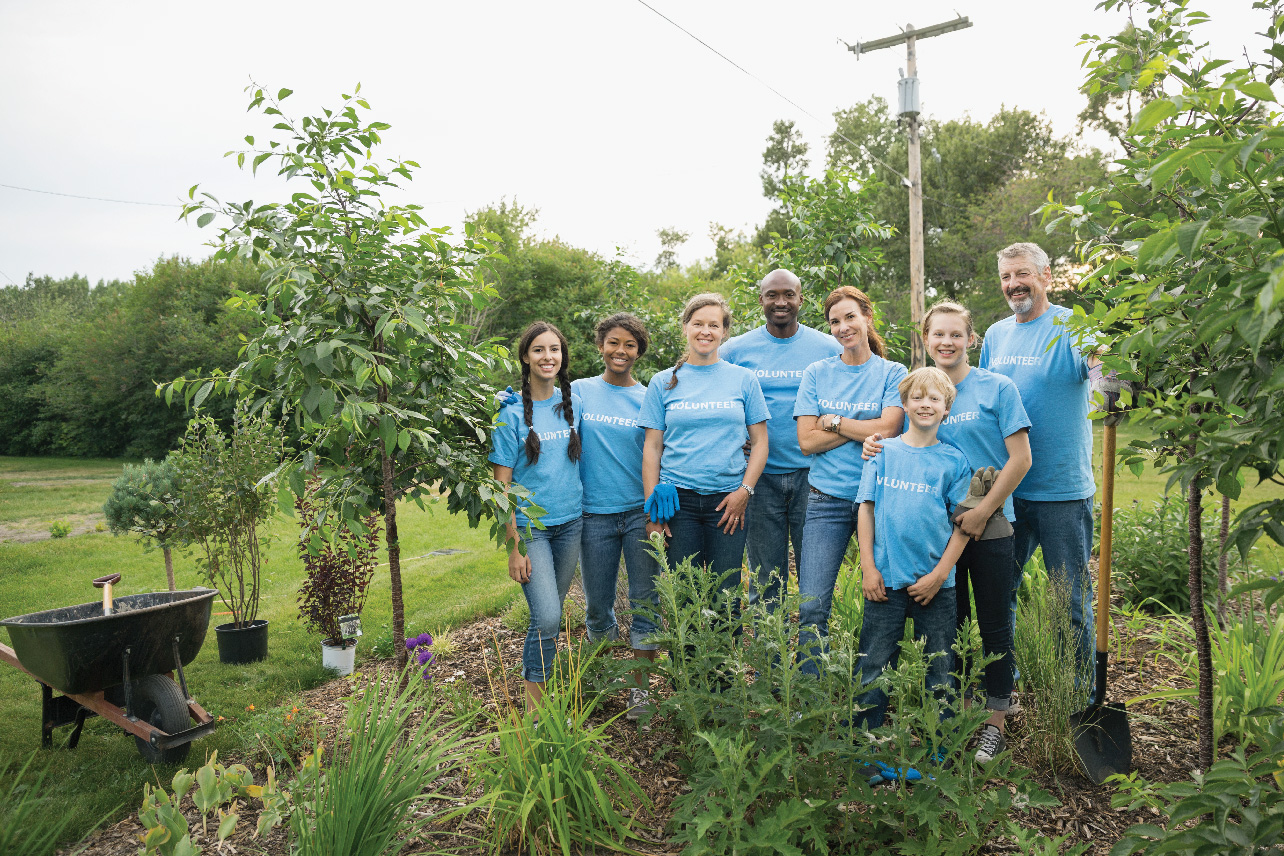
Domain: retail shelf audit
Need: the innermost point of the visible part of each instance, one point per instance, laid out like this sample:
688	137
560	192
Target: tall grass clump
386	768
551	787
1054	684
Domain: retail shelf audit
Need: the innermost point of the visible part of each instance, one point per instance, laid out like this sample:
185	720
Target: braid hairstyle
849	292
563	408
694	305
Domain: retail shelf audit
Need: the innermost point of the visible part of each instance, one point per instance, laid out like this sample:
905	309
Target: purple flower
412	644
425	657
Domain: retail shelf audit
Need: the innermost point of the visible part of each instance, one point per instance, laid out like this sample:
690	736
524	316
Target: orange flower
220	719
251	707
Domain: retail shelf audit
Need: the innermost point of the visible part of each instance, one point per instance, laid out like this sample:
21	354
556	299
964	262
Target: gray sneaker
639	704
990	744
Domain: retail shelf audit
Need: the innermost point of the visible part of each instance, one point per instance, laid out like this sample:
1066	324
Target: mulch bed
1163	740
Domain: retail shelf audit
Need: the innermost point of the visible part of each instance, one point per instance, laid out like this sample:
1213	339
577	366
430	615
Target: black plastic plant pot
246	644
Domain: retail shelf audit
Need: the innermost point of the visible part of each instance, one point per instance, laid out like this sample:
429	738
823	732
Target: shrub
1150	560
59	529
776	764
142	502
1237	807
338	568
552	787
226	491
1054	683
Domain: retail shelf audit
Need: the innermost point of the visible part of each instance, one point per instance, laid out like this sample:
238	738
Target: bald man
777	353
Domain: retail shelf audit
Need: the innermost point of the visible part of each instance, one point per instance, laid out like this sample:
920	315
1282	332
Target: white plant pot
341	659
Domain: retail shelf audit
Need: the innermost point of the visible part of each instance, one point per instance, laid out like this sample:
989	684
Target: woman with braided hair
536	444
698	415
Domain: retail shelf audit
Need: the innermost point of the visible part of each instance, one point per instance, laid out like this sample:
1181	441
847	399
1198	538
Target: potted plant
227	490
339	565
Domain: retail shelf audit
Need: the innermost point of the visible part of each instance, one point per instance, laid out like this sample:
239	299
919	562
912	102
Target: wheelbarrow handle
109	580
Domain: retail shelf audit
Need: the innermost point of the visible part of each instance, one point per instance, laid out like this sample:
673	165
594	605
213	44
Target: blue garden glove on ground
507	396
662	503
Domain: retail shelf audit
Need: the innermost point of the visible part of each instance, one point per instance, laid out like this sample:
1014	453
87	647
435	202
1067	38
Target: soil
1163	740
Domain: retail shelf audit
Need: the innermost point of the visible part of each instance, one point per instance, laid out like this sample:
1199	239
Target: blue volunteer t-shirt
554	480
914	491
705	421
779	364
611	456
987	409
1055	389
853	392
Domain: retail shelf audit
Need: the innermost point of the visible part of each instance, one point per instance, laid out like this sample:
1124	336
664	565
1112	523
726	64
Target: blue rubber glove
891	774
662	503
507	396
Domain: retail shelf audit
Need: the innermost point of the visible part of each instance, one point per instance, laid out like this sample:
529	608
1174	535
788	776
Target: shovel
1102	739
105	583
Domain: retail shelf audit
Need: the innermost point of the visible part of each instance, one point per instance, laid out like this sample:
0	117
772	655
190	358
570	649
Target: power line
795	104
94	198
6	276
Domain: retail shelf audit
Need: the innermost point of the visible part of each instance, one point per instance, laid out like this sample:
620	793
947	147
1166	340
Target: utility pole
907	89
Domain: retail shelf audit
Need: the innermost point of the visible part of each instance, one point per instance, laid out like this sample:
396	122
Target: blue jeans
1064	530
776	515
605	539
554	552
988	567
831	522
696	536
880	644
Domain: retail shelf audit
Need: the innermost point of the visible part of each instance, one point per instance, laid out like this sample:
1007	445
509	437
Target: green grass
105	774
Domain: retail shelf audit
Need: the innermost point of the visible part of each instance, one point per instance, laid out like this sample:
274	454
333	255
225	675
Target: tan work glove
982	480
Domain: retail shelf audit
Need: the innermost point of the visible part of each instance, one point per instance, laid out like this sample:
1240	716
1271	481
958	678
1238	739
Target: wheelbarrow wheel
159	702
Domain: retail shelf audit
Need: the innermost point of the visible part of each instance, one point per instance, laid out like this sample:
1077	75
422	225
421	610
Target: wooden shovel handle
1107	536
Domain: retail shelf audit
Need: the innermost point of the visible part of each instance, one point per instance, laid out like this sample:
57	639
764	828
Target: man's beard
1022	305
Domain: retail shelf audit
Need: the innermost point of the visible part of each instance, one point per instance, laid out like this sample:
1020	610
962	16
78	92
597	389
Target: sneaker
639	704
989	744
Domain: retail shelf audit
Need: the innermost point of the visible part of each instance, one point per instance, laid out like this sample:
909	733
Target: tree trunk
169	566
1203	649
394	562
1222	561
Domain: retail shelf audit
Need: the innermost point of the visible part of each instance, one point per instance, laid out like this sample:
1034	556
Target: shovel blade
1102	740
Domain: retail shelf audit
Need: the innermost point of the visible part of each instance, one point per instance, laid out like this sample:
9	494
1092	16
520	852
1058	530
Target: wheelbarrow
118	660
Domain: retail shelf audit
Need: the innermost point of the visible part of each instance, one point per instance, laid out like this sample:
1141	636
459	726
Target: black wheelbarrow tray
119	666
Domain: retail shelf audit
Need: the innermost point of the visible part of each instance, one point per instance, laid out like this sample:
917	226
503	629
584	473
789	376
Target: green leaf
204	220
202	394
1190	236
1154	247
1152	114
284	94
1257	89
1228	483
1250	225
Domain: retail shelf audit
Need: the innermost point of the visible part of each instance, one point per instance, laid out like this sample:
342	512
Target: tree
142	501
981	183
784	157
359	340
1186	247
670	240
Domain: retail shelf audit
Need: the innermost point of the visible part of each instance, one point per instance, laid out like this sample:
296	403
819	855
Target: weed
59	529
778	764
1150	560
278	735
28	825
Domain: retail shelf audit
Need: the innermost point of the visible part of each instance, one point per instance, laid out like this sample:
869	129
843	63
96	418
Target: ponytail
848	292
694	305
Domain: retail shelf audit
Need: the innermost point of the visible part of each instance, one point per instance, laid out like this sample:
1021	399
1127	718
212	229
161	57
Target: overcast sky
603	115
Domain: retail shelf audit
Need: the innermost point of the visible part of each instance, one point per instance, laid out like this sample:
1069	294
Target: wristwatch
748	488
834	423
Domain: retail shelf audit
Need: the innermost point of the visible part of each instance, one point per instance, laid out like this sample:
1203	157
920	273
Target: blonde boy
908	546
